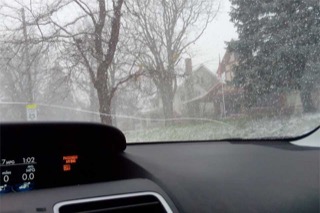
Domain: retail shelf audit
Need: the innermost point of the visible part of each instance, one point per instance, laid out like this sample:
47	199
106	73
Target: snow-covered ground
241	128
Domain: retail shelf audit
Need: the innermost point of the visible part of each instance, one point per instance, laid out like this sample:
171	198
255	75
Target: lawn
231	128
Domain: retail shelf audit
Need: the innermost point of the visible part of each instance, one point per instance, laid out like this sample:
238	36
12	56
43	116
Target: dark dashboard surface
255	176
231	177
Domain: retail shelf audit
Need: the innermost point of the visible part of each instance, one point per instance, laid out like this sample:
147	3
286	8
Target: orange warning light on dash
66	167
70	159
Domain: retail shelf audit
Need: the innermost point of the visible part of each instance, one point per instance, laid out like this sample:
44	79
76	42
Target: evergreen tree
278	47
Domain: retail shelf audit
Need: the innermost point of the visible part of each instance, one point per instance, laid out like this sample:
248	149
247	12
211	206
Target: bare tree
27	65
94	46
23	69
99	74
105	75
166	29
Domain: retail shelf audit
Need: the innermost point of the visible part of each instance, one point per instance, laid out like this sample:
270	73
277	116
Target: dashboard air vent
128	203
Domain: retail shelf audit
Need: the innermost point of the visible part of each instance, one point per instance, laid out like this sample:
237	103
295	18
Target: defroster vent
127	203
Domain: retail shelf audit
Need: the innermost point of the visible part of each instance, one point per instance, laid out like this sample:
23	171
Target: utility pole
222	85
189	87
223	101
27	59
31	108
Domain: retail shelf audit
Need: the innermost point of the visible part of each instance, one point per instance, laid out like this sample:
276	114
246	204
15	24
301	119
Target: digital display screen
69	161
18	174
24	173
40	156
34	165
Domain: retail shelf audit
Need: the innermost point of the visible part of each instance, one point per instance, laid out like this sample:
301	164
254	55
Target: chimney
188	62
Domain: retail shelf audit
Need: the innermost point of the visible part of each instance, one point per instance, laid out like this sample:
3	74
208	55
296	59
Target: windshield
164	70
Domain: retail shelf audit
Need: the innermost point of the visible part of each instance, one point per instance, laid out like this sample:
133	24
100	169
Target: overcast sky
207	49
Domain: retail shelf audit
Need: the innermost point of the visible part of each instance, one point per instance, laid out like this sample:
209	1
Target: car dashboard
82	167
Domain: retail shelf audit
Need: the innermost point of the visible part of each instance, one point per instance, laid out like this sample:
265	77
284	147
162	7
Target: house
196	84
222	98
202	94
225	99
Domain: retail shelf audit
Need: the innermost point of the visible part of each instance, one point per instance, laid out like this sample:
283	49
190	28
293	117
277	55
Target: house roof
216	92
202	68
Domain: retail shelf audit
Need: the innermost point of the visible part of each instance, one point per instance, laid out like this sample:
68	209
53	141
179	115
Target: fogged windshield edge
164	70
